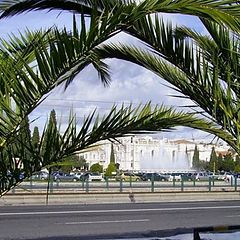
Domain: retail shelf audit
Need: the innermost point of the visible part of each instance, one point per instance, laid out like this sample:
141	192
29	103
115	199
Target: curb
101	198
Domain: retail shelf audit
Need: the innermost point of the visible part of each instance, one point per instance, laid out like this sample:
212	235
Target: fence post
82	184
87	186
130	181
174	181
107	183
231	181
30	183
196	235
194	182
182	185
235	183
57	183
121	185
152	184
51	184
209	184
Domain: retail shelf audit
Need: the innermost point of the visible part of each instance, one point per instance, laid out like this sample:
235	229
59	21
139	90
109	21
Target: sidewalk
98	198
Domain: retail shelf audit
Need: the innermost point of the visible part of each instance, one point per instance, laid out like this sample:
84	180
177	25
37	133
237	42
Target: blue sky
130	83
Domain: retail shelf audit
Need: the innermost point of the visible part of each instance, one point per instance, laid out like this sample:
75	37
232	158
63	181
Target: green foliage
228	163
110	169
112	155
68	163
96	167
237	168
213	163
237	160
195	65
58	56
82	163
196	160
35	138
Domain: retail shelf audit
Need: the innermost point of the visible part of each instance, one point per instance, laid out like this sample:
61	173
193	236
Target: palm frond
226	12
55	147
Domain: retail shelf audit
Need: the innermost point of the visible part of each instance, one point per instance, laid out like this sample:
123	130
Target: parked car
91	177
175	176
155	177
228	177
141	175
61	176
128	176
236	175
77	175
225	176
39	176
187	177
201	176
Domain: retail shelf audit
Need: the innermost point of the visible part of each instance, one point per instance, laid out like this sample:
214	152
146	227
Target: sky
130	83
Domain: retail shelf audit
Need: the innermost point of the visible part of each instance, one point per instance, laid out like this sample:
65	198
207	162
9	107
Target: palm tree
19	76
69	54
187	69
205	68
59	56
225	12
54	147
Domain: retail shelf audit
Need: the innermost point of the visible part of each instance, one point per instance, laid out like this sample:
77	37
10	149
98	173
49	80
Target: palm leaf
226	12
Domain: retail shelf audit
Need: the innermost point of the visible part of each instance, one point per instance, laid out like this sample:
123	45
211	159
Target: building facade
149	154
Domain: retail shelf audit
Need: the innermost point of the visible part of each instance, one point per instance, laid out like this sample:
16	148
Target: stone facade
149	154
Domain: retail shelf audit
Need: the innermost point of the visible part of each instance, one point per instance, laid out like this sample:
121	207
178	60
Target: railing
127	186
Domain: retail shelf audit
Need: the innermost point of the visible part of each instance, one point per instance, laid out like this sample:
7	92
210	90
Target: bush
110	169
96	167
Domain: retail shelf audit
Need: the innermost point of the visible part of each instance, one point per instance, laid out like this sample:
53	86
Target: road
108	221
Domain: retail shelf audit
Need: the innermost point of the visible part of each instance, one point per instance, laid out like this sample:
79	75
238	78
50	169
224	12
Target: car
140	174
91	176
175	177
155	177
228	177
61	176
39	176
201	176
77	175
187	177
225	176
128	176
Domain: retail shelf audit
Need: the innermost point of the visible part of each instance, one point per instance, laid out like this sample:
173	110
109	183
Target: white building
147	153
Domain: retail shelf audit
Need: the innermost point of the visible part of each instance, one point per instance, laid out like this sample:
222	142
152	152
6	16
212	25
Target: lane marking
119	210
232	216
110	221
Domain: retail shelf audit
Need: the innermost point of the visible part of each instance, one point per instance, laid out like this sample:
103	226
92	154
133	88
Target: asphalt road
109	221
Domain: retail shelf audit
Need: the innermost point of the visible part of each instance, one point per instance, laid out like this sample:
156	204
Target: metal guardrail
124	186
197	231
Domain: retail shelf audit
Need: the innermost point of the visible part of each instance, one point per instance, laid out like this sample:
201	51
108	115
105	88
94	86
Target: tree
220	162
112	155
50	128
96	167
213	162
18	62
196	160
196	65
215	11
82	162
110	169
35	138
228	163
23	146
